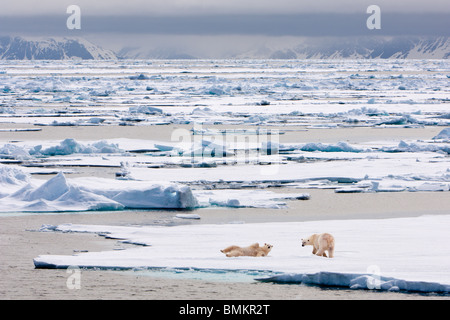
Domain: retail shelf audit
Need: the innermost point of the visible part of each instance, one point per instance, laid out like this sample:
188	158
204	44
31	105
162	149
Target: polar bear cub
321	242
253	250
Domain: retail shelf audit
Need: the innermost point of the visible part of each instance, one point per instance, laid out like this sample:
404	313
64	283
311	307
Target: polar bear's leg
229	249
320	252
331	252
234	253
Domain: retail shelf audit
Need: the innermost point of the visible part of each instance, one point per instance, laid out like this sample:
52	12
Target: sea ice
381	254
60	194
71	146
444	135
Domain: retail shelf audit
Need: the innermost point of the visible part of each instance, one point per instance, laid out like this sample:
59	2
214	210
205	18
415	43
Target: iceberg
11	179
11	151
55	195
154	197
59	194
12	176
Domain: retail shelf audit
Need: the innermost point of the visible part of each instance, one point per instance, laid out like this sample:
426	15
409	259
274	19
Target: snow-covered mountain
312	48
371	48
18	48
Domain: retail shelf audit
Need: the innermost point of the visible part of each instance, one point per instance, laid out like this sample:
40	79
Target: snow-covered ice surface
58	194
248	98
22	193
230	119
314	93
402	254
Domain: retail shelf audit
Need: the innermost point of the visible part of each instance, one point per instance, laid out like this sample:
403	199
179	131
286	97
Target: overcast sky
196	7
120	20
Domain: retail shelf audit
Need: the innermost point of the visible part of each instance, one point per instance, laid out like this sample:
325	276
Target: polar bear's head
268	246
307	242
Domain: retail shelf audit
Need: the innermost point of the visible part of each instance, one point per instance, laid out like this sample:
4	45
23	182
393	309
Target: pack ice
59	194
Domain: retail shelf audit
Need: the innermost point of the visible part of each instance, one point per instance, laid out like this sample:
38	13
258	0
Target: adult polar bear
253	250
321	242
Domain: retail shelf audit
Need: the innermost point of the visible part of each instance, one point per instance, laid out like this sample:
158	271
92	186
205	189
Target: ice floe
21	193
402	254
61	194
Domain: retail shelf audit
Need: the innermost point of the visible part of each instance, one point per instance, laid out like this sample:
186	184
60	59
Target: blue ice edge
359	281
323	278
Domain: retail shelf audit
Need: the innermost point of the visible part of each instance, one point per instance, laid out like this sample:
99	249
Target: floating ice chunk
405	119
215	91
203	112
427	186
48	228
145	110
242	198
157	197
71	146
263	103
124	173
257	118
9	110
368	111
349	190
11	151
96	120
232	203
12	179
162	147
444	134
104	93
12	176
187	216
139	77
416	147
57	194
339	147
